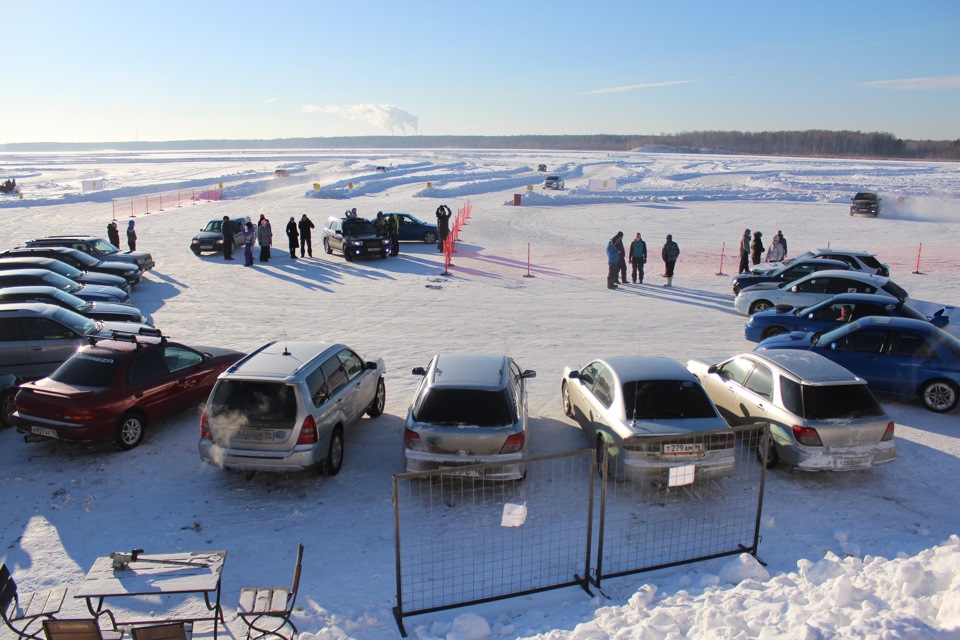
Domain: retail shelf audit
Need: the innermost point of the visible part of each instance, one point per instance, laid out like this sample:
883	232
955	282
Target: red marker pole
919	249
723	250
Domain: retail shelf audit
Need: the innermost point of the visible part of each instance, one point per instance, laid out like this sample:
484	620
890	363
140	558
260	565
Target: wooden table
186	572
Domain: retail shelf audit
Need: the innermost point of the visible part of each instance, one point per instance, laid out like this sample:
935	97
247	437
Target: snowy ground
860	555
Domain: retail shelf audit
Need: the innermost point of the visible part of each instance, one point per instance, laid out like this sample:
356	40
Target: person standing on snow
783	243
669	253
756	248
393	230
293	237
744	252
305	225
621	252
249	238
113	233
264	238
613	263
775	251
380	224
638	257
443	224
226	232
131	236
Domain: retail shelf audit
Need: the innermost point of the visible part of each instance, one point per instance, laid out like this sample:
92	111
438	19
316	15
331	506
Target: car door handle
138	394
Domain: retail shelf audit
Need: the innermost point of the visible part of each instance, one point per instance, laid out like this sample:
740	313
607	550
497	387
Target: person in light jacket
745	252
264	239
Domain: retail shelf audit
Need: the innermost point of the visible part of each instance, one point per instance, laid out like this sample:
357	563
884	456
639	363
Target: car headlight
219	241
357	243
195	241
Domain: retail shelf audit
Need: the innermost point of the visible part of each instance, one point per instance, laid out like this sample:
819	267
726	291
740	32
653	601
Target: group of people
298	234
113	234
389	227
618	256
751	249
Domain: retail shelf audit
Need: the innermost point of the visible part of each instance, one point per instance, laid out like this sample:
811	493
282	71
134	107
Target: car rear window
653	399
86	370
895	290
836	402
255	400
464	406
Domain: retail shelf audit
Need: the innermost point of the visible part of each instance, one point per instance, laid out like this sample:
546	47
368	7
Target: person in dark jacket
131	236
249	239
669	253
305	225
638	257
744	252
393	230
380	224
756	248
226	232
443	224
264	238
783	241
622	253
293	237
113	233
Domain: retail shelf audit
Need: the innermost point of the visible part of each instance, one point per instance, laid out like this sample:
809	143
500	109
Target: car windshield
865	196
86	370
52	279
213	225
658	399
478	407
58	266
83	258
836	402
73	301
358	227
250	400
104	247
80	324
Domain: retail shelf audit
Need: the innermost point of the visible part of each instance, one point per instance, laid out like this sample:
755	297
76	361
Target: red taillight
205	433
807	436
888	434
513	444
308	433
411	440
79	415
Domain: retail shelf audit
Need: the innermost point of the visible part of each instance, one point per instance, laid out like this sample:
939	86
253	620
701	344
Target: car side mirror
713	369
419	371
574	375
370	365
529	373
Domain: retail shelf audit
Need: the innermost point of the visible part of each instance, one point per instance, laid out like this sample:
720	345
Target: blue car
831	313
898	356
415	229
787	273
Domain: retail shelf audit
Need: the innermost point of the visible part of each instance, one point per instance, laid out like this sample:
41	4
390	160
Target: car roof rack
132	337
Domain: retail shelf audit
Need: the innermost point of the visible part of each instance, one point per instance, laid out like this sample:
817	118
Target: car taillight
411	439
79	415
205	433
807	436
513	444
888	434
308	433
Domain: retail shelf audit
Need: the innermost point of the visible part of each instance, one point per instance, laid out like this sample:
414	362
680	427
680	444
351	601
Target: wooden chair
82	629
20	611
166	631
258	606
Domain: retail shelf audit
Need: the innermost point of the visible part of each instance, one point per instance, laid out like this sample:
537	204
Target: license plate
256	435
475	473
373	250
853	463
686	449
44	431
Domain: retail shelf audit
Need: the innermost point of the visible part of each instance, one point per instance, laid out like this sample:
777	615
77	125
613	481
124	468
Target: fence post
528	262
919	249
723	250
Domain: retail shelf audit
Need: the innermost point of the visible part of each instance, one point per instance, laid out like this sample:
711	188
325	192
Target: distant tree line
811	143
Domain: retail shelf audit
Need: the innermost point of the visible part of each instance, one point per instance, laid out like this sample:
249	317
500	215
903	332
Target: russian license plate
256	435
683	449
853	463
44	431
373	250
462	473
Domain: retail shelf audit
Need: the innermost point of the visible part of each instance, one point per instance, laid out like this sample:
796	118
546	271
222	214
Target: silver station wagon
821	416
286	406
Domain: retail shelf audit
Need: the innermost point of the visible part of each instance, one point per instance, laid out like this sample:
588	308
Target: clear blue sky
173	70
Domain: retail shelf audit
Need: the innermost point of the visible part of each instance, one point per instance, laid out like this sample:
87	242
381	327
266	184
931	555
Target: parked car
286	407
35	337
210	238
469	409
114	389
105	311
626	400
98	248
865	203
831	313
64	269
821	416
83	261
553	182
898	356
787	273
414	229
354	237
862	261
813	288
45	278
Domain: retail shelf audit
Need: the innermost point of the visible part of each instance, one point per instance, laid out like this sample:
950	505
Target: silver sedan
626	401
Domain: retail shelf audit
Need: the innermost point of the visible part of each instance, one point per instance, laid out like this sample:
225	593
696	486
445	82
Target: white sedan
812	289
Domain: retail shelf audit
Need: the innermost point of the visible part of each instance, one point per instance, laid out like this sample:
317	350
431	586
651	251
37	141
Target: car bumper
37	429
300	458
642	469
513	467
837	458
741	305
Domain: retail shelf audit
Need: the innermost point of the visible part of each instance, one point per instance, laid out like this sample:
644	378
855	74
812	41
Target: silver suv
821	416
285	407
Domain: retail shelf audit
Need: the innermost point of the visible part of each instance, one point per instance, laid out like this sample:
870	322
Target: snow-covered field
871	554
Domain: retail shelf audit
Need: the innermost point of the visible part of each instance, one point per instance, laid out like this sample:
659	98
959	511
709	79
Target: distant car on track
553	182
865	203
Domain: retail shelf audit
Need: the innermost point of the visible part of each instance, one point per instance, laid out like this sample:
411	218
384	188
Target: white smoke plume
385	116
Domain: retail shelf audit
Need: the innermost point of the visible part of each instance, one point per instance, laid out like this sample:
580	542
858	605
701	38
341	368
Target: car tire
347	255
760	305
772	331
326	246
383	255
379	400
7	407
773	459
430	237
130	431
334	459
565	396
939	396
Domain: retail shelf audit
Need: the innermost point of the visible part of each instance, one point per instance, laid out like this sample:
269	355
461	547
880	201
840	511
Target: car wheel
379	400
326	246
565	394
334	460
7	407
383	255
939	395
430	237
130	431
772	331
773	460
347	255
760	305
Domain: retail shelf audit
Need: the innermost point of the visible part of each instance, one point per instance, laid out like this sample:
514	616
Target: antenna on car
285	351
